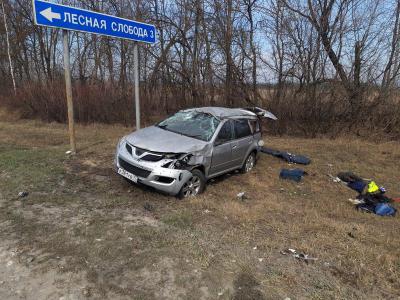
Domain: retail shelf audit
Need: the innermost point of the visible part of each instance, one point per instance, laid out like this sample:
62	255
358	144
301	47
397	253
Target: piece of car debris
298	255
147	206
22	194
242	196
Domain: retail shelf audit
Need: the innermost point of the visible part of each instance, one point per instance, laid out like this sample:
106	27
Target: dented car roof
224	112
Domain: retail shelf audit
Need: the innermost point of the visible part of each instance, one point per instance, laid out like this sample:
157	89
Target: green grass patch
182	220
29	169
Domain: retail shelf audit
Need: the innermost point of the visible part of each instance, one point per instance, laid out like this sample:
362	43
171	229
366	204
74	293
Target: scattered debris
149	207
220	294
292	174
242	196
255	248
334	179
371	197
298	255
23	194
355	201
99	240
350	234
289	157
68	152
206	211
260	259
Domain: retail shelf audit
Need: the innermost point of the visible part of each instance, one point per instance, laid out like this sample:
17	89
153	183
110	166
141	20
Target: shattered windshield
194	124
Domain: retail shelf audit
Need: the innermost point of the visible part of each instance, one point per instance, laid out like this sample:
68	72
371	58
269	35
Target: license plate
128	175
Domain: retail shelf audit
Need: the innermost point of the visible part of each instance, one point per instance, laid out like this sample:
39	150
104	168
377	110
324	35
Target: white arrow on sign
49	15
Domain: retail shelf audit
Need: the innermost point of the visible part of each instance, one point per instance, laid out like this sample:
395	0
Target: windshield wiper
198	136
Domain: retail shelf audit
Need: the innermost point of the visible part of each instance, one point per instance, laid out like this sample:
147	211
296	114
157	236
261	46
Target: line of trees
314	62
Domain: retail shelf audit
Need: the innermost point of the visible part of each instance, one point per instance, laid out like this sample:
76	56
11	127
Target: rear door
242	141
222	150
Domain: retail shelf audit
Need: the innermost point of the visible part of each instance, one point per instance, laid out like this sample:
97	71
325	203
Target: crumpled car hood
159	140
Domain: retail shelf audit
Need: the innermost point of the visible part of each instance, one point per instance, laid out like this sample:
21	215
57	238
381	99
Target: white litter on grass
10	263
68	152
355	201
22	194
260	259
220	294
255	248
129	238
207	211
99	240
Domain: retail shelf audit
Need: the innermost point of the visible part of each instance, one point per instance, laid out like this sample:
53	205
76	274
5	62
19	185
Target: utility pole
8	49
68	90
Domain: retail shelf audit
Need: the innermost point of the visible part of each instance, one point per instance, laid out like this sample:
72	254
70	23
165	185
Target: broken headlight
180	162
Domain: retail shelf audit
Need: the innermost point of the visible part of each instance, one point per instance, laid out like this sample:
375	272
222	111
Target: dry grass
91	229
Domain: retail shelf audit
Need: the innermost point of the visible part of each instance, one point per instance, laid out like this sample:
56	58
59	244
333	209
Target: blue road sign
71	18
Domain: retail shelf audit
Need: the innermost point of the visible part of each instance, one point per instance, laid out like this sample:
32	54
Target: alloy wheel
191	187
249	163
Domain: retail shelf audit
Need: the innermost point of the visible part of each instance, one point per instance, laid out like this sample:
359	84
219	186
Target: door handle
234	146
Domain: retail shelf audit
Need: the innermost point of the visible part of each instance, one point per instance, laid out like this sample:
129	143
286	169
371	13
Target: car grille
139	151
152	157
133	169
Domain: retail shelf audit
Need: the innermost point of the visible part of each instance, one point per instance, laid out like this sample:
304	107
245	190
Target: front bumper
152	174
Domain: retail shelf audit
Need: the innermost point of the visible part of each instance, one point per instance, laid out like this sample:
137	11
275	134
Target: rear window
242	128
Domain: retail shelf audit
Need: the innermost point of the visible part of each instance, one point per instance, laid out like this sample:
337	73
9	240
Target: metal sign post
136	79
71	18
68	90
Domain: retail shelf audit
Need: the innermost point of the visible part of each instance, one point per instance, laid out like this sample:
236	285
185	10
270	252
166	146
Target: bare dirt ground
83	232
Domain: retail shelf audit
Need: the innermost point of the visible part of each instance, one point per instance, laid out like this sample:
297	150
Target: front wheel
195	185
249	163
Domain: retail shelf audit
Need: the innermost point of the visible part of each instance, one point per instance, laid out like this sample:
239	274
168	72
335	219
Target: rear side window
242	128
225	134
254	126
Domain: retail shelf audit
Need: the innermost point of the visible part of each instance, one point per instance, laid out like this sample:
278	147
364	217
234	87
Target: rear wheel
249	163
195	185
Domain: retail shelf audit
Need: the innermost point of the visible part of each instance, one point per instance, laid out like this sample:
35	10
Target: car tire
194	186
249	163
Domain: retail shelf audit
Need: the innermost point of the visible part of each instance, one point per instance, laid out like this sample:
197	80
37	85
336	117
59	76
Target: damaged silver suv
179	154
